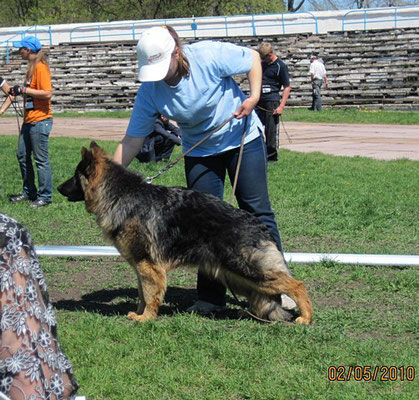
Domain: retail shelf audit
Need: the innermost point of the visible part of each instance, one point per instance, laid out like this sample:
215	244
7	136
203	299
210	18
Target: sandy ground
381	142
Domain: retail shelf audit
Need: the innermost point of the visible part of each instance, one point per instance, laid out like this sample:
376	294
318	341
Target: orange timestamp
359	373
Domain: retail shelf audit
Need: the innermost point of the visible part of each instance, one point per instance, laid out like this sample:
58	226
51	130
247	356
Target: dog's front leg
152	278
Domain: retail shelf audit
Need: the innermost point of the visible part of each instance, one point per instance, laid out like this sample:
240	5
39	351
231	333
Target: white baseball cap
154	52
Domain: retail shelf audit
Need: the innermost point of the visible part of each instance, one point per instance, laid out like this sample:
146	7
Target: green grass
328	115
363	315
353	116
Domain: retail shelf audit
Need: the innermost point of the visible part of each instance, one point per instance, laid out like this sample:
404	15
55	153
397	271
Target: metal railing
193	26
35	30
365	21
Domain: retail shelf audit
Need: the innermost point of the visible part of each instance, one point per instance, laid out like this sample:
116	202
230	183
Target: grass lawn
331	115
363	316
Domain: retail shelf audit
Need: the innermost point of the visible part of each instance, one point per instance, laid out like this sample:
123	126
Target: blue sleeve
143	115
230	59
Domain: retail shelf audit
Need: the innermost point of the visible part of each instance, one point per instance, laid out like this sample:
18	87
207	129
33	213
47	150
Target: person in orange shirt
37	124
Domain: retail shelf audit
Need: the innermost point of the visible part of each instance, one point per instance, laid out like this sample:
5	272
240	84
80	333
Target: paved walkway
382	142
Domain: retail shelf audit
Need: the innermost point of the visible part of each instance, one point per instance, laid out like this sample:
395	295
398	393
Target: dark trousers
207	174
316	104
271	123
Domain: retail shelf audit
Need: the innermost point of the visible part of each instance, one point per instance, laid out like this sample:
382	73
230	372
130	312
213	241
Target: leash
17	108
19	113
236	175
170	165
239	161
282	122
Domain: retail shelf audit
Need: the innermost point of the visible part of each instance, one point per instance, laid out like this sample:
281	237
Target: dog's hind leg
275	280
268	308
152	278
286	284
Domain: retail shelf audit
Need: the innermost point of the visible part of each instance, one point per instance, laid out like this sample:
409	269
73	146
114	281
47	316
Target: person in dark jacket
159	145
275	77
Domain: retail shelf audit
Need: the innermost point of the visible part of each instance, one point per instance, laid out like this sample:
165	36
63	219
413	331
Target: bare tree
292	8
320	5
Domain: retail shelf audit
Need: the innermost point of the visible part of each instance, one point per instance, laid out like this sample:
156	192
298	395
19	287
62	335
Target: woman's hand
246	108
16	90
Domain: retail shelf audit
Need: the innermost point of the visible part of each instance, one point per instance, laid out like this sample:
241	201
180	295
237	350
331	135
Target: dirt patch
109	287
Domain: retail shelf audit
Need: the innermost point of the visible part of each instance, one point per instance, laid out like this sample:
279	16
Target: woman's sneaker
15	198
202	307
39	203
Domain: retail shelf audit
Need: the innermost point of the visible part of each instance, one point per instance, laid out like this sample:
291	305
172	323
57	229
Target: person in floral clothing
32	365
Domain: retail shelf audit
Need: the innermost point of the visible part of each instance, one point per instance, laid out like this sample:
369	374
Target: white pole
3	396
361	259
76	251
305	258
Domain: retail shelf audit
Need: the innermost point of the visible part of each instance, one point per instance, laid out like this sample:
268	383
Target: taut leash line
282	122
19	113
239	161
170	165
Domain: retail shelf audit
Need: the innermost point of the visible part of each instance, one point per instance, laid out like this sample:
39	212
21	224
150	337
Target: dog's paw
139	318
301	320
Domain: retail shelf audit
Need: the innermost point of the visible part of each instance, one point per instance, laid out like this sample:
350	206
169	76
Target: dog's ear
86	155
97	151
94	145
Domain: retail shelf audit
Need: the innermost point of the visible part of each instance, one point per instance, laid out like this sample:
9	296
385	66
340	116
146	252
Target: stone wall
376	69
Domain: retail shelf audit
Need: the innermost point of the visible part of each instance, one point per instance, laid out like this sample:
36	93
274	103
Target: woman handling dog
193	85
34	135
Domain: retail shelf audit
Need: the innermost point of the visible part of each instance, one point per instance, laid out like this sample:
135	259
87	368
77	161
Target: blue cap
30	42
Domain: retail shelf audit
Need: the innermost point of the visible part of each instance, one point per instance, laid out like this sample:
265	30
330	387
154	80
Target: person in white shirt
318	77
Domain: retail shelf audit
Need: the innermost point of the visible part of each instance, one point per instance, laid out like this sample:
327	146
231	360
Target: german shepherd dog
157	228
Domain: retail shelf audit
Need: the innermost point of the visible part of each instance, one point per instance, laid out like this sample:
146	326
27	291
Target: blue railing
100	32
35	30
364	18
196	25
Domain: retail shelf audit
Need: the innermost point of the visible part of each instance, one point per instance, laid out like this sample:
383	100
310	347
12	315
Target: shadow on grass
111	302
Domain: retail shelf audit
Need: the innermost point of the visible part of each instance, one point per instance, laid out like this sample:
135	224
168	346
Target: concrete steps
376	69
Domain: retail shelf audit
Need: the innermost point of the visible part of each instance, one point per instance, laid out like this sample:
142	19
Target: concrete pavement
381	142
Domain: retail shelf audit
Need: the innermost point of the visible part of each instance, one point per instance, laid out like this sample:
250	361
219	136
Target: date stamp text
367	373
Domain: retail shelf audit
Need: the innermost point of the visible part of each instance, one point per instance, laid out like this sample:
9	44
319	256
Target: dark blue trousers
34	139
207	174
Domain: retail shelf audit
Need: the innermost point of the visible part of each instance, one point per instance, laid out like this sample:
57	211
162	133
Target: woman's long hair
39	57
183	68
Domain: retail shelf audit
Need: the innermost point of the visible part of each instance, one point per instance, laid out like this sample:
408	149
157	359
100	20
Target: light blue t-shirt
202	101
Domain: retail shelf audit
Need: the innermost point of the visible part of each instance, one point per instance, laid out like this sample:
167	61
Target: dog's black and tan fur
156	229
